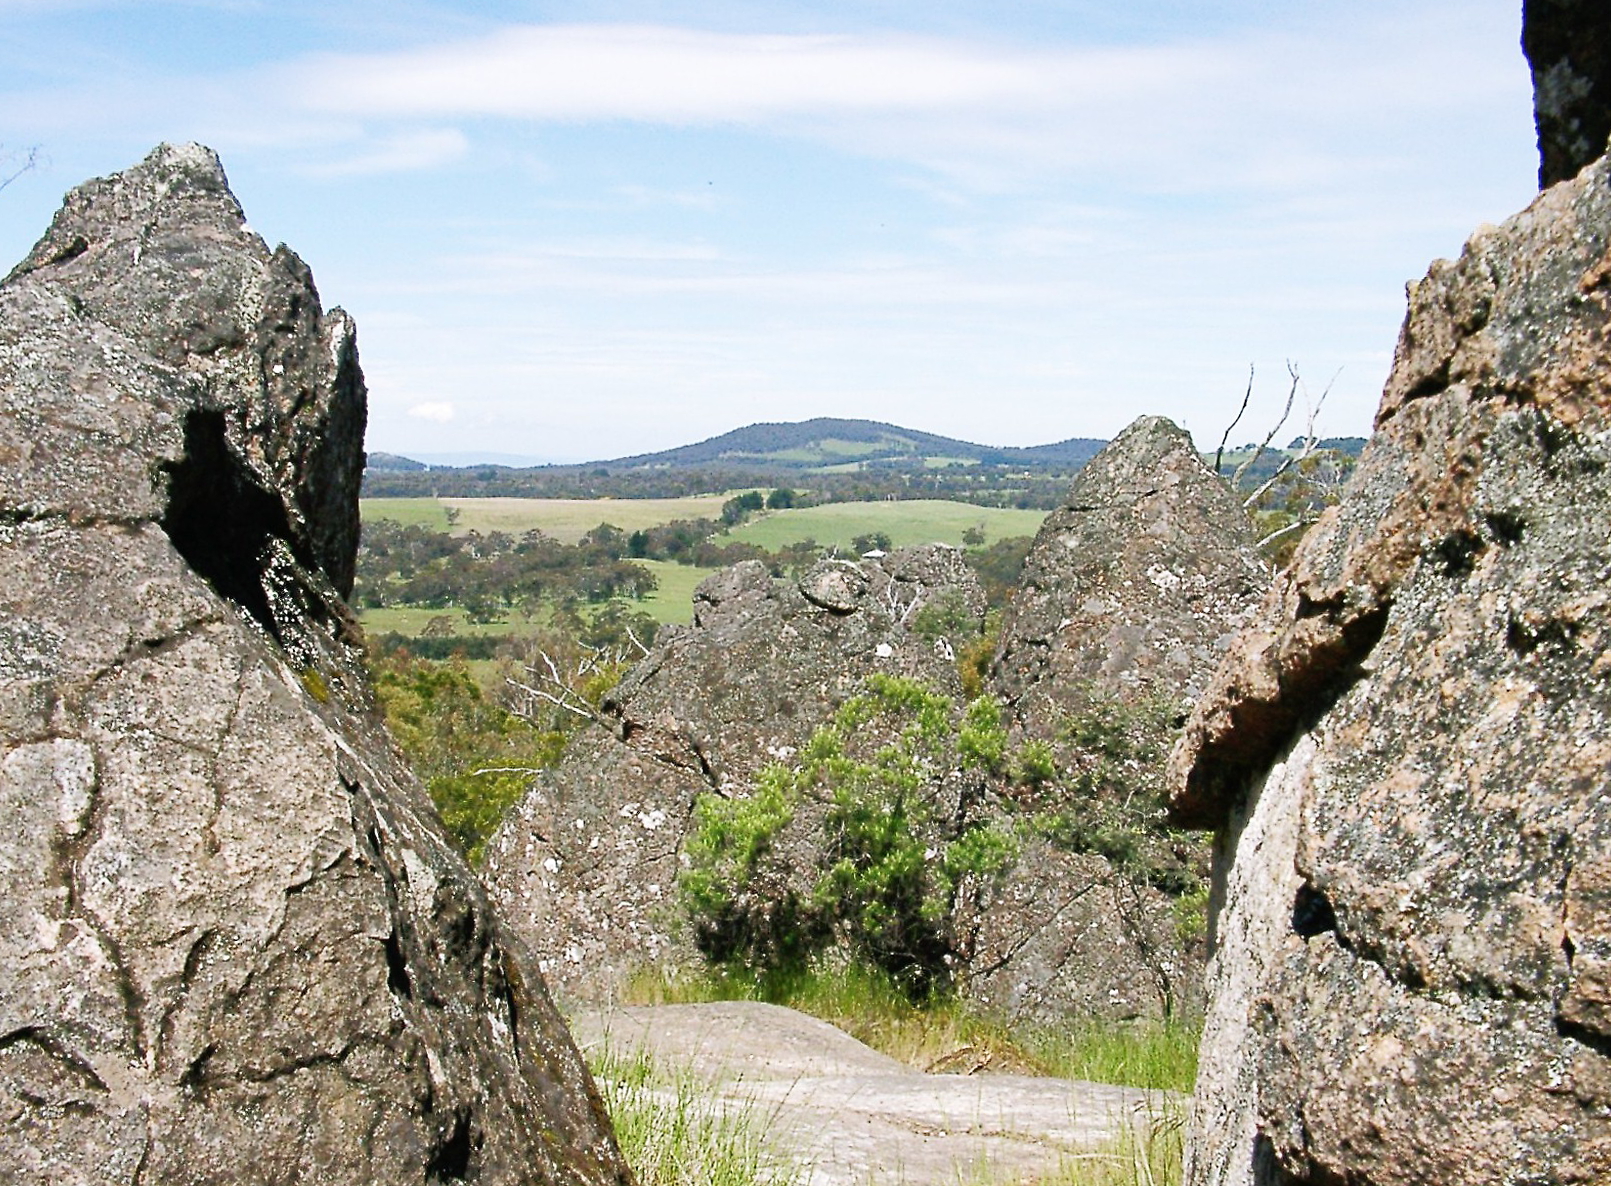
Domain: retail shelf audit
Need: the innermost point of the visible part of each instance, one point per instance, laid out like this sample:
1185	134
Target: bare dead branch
558	701
28	162
1310	440
1292	395
1295	525
1219	454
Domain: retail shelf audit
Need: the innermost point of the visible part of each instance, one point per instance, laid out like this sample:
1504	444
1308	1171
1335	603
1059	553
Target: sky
573	230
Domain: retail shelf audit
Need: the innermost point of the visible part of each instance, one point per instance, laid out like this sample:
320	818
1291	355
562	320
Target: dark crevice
195	1076
1312	912
1437	381
1508	527
512	987
1458	552
397	977
41	1040
450	1161
221	518
1525	639
705	769
1261	728
1595	1040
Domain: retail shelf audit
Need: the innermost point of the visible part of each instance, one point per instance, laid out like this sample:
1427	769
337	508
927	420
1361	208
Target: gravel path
853	1116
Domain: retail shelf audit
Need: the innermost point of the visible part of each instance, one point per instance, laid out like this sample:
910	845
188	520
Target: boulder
587	865
235	942
1568	47
1134	586
1406	760
1130	595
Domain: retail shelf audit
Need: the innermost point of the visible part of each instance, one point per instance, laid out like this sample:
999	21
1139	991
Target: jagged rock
1568	46
235	943
1406	758
1135	585
1130	595
587	865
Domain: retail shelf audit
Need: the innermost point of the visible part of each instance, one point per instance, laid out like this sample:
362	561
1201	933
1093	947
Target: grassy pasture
673	601
566	519
915	521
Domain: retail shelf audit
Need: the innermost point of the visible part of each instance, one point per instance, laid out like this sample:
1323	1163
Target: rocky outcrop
587	865
1406	758
1135	585
1130	595
235	943
1568	46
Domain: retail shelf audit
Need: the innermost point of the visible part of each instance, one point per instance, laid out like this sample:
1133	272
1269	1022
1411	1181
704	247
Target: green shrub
887	869
1035	764
982	740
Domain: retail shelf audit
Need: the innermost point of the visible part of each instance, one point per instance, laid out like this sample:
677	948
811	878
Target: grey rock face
586	867
1568	46
1407	760
235	945
1136	584
1130	595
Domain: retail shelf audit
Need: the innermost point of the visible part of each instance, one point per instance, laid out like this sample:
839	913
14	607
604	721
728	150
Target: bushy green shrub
887	865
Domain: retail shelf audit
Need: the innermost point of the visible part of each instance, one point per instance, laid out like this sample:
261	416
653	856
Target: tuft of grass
1151	1154
943	1035
675	1131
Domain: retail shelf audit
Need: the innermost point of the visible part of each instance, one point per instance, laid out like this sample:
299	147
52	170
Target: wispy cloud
678	76
440	412
396	153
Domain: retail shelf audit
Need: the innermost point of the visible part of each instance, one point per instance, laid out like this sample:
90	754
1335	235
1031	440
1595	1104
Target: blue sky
581	230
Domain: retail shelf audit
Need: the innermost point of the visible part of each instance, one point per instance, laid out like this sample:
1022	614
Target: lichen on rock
235	944
1406	758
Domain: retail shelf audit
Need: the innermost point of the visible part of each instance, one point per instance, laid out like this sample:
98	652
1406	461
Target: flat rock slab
852	1116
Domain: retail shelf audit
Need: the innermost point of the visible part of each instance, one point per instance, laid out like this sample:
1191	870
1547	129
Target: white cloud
439	412
1268	109
403	152
680	76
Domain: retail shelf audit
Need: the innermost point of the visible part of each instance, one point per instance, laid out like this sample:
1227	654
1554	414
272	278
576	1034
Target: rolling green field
917	521
566	519
673	601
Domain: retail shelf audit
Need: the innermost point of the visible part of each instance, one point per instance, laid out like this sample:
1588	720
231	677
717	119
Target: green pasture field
914	521
673	601
565	519
410	621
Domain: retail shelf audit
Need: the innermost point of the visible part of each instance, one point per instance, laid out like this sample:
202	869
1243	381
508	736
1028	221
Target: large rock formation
1568	46
1134	586
1408	759
1129	598
587	866
235	944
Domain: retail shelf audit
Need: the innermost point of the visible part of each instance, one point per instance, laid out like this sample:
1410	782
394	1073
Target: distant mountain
392	463
826	443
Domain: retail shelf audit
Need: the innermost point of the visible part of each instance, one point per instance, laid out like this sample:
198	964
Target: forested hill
824	441
836	460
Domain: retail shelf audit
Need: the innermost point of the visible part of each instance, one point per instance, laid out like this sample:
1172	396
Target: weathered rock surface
586	866
1130	596
1135	585
1408	758
844	1115
235	944
1568	46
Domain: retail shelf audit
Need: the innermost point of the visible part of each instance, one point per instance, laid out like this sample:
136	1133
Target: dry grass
945	1036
